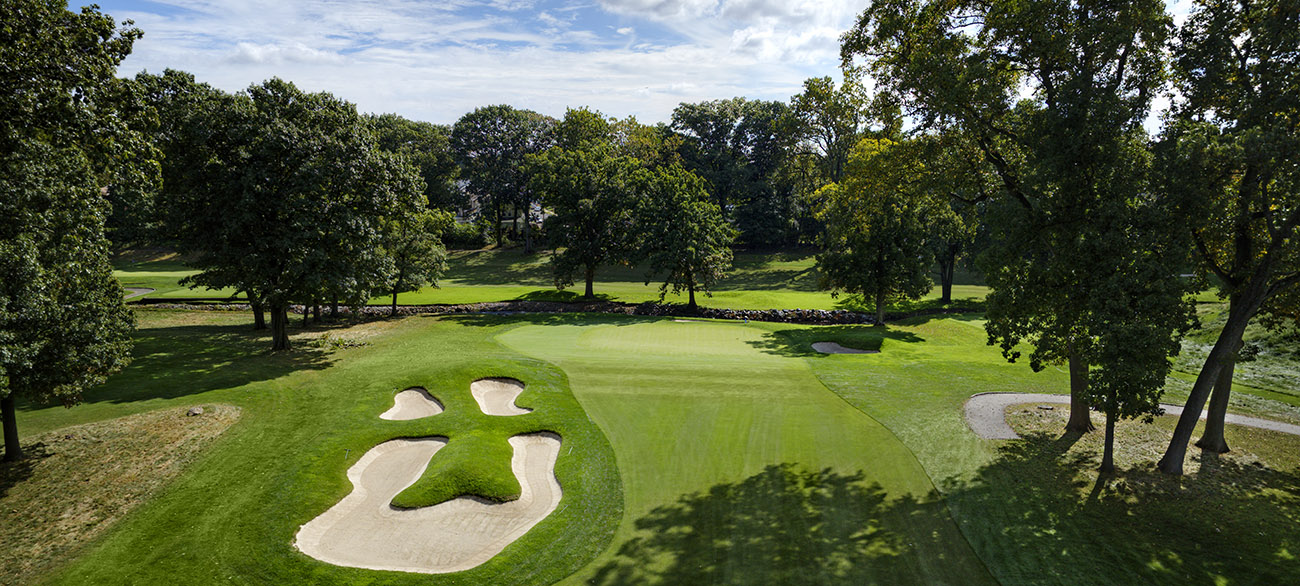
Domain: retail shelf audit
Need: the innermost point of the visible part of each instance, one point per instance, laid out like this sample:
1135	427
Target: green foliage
684	235
585	184
428	147
292	200
411	243
877	224
63	140
490	145
738	147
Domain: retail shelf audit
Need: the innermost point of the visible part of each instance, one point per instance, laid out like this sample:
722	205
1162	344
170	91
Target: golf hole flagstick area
986	414
364	530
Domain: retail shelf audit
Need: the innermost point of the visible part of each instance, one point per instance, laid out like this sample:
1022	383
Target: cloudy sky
436	60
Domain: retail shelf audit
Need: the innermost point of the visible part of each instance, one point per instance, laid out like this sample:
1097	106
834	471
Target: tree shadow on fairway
487	320
172	362
798	342
565	296
1038	513
790	526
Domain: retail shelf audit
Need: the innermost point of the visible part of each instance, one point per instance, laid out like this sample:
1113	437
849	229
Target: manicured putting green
738	466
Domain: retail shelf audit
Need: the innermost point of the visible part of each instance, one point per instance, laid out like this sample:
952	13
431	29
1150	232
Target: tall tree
829	120
291	201
738	146
428	147
685	240
63	139
491	145
584	182
1232	163
1062	155
411	240
877	223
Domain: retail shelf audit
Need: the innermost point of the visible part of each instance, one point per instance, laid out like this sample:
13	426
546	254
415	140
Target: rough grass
1031	509
1230	519
78	481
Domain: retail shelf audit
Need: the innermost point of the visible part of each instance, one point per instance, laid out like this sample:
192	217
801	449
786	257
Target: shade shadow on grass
798	342
170	362
566	296
1036	516
483	320
790	526
14	473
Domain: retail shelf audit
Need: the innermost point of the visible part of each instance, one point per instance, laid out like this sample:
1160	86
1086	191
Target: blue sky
436	60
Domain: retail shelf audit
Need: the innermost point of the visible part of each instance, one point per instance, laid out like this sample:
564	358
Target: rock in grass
194	411
1046	407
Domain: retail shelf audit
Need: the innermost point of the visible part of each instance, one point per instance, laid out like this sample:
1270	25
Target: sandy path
137	291
986	414
496	396
833	348
412	403
364	531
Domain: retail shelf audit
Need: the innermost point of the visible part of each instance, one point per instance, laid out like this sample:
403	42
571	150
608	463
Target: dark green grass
1033	509
308	416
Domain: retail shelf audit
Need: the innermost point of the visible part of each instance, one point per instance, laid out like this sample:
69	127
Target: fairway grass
703	451
739	467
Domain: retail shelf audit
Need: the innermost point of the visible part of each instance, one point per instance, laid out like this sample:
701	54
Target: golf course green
694	452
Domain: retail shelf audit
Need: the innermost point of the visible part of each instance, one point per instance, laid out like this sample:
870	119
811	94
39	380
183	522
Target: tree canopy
877	226
64	139
1069	157
292	201
686	242
1231	161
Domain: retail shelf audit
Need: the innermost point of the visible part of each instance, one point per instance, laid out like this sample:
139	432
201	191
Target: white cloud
437	60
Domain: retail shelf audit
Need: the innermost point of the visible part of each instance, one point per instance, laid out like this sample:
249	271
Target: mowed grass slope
308	415
739	467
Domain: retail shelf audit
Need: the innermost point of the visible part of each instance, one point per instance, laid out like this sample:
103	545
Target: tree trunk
279	327
591	279
690	288
1225	347
947	265
334	307
315	312
393	311
9	412
1212	440
306	313
528	229
1080	418
259	312
496	212
880	307
1108	455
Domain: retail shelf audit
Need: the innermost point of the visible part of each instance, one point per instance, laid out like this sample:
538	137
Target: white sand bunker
986	414
496	396
833	348
413	403
365	531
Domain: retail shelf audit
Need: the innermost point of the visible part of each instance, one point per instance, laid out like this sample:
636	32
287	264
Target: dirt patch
76	482
364	530
833	348
496	396
413	403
